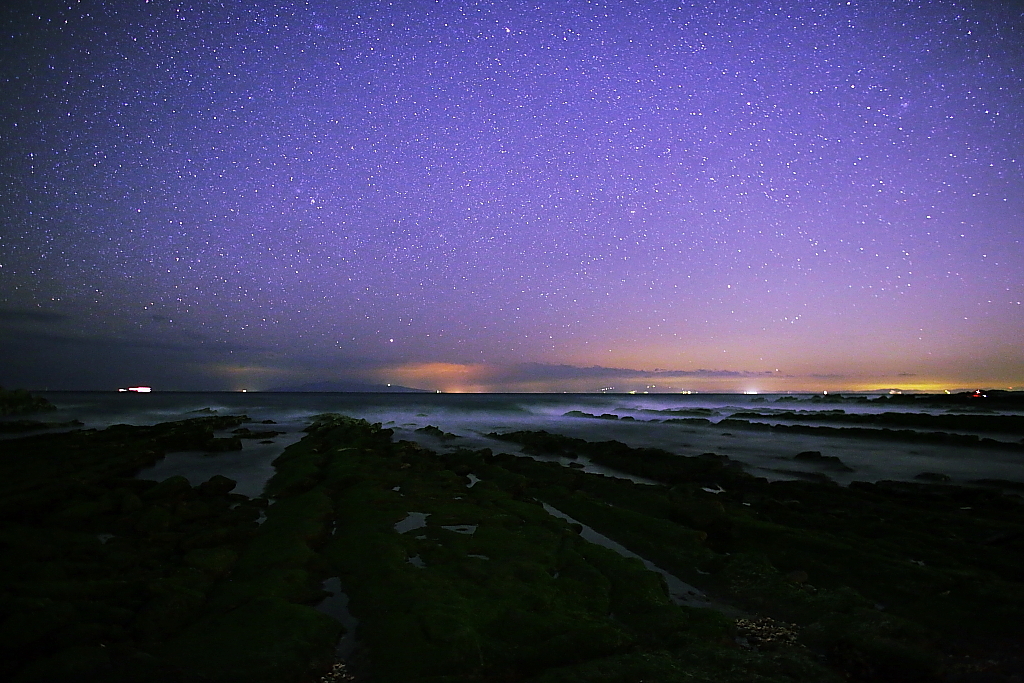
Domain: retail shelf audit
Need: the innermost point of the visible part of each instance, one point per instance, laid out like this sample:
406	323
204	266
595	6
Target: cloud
60	359
83	341
542	371
30	315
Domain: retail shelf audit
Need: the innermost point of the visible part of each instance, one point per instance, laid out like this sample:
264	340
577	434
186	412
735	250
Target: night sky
787	195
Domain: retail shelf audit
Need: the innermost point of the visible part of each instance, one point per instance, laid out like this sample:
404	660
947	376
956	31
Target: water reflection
251	467
336	606
680	592
415	520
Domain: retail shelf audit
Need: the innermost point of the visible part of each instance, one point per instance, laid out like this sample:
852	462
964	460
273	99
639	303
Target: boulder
217	485
829	461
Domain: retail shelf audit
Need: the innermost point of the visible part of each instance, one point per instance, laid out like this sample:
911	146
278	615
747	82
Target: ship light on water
138	390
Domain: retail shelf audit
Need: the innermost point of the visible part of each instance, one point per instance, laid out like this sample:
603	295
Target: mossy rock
217	485
875	647
154	520
80	664
264	641
170	608
29	621
80	511
215	561
578	644
172	488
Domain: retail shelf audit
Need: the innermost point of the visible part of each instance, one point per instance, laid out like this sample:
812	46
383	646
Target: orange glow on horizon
455	378
487	378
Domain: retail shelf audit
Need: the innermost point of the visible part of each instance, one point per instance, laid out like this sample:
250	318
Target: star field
251	195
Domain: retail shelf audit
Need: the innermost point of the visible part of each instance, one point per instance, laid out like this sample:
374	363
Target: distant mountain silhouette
343	386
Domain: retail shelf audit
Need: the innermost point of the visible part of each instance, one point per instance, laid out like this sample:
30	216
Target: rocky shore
457	572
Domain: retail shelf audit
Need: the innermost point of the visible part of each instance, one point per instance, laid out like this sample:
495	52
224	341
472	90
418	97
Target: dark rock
172	488
154	520
437	433
797	576
13	426
217	485
188	510
830	461
933	476
215	561
819	477
130	503
1003	537
1000	483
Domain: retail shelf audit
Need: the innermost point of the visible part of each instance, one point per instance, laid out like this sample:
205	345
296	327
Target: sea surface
473	416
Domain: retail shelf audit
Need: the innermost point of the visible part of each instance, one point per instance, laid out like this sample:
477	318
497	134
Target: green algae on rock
522	598
109	578
888	581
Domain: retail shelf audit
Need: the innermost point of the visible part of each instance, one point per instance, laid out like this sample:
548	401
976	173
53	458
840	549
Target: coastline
872	581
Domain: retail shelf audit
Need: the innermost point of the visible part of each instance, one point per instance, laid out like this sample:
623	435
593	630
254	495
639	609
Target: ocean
471	417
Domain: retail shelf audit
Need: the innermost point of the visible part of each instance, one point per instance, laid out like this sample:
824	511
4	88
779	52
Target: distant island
20	402
343	386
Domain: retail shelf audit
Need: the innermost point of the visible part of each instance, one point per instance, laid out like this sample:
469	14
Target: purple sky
518	196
